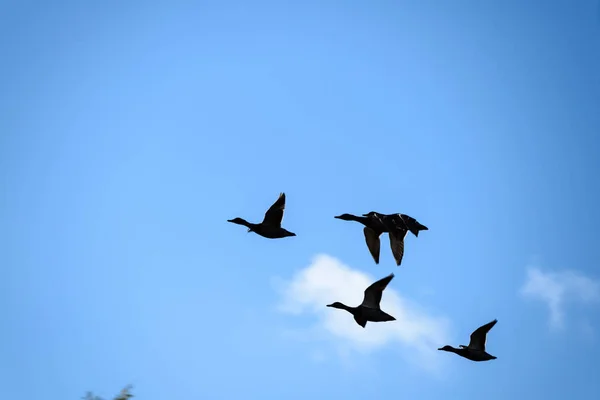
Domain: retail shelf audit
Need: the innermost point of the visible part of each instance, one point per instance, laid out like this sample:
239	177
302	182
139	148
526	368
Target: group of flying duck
396	226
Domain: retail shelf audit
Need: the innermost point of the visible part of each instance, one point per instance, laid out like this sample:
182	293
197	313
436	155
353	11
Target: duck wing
374	292
397	243
274	214
478	337
372	239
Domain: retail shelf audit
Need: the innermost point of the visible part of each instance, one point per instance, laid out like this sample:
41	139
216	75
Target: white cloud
557	288
327	280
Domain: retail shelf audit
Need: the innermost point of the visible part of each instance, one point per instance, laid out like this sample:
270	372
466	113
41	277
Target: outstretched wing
397	243
374	292
274	214
372	239
478	337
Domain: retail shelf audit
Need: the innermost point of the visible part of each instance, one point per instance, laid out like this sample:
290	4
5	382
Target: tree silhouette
125	394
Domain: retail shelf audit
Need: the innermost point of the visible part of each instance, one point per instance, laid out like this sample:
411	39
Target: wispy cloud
327	280
558	288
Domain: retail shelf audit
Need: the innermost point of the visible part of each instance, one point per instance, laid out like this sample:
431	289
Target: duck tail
415	230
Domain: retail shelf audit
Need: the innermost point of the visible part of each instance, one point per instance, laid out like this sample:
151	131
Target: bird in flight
475	351
369	309
270	227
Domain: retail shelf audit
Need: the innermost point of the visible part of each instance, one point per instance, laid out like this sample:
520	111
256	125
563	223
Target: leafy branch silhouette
125	394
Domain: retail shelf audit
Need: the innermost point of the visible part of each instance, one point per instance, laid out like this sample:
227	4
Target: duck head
337	304
241	221
447	348
341	306
346	217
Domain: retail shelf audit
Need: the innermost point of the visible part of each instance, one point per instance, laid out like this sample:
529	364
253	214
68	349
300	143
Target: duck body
264	230
270	227
272	232
369	310
469	354
400	221
363	314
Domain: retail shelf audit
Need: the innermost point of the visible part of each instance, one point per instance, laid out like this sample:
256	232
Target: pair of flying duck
397	226
370	310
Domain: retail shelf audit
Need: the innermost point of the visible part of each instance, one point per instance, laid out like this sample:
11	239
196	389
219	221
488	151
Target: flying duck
397	225
270	227
475	351
374	227
369	309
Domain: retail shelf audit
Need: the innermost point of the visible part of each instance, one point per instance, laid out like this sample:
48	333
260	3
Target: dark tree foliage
124	395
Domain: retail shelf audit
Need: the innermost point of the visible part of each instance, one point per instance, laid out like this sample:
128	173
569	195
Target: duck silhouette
270	227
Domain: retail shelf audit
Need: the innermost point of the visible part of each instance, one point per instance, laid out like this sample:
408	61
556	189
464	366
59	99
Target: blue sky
131	132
